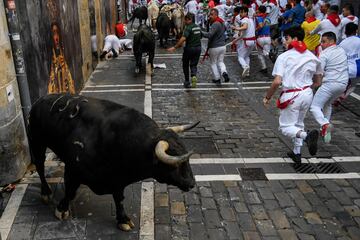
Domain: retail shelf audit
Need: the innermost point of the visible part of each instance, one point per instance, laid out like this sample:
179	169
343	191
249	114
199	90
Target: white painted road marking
11	210
354	95
269	160
146	227
212	178
147	212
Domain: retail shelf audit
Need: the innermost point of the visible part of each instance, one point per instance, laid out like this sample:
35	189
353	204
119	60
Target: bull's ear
182	128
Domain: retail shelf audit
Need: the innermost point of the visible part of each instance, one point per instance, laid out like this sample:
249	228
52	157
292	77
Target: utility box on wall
14	151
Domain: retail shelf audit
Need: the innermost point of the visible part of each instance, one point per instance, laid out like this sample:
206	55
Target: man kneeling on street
295	69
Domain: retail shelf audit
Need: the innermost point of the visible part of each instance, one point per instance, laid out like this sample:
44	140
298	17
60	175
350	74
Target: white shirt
112	42
316	8
273	12
351	45
93	43
282	3
346	20
237	23
334	65
326	26
251	13
250	31
191	7
296	69
222	8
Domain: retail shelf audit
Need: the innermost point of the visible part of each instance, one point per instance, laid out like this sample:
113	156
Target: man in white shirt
335	78
247	42
113	46
331	24
351	45
272	11
347	17
316	5
191	7
222	9
294	70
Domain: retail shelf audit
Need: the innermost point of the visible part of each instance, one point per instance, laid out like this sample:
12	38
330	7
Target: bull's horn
182	128
160	151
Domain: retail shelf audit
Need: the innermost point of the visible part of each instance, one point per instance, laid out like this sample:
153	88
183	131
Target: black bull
163	26
105	146
140	13
143	42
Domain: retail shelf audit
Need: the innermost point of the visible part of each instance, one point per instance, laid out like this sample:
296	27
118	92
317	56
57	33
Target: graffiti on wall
60	79
50	35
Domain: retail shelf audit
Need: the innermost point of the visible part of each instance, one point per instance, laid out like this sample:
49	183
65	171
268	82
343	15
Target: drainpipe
18	56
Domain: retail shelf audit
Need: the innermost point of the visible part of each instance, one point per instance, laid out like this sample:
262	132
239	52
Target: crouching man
113	46
295	70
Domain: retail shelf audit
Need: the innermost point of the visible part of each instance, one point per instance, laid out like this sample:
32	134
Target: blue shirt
298	14
286	17
265	30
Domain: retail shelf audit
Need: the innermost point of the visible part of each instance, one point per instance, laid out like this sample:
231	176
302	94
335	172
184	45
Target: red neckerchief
218	19
351	17
271	1
298	46
334	19
311	19
263	15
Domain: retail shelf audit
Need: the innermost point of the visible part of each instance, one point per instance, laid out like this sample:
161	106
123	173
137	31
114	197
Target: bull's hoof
62	215
137	70
45	198
126	226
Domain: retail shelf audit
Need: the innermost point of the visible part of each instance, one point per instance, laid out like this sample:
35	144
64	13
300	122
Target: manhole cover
200	145
251	174
318	168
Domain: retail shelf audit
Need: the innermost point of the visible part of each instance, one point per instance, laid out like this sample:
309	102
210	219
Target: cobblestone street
246	187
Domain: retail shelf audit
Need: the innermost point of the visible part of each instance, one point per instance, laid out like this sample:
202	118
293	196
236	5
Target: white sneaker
246	72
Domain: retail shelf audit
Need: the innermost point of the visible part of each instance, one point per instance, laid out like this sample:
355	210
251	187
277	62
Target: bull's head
174	167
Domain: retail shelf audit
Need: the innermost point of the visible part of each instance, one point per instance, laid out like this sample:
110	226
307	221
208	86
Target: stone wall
56	56
14	151
85	35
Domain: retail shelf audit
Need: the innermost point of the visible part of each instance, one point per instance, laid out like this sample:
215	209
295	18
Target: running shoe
246	72
311	141
187	84
326	132
217	82
226	77
295	157
193	81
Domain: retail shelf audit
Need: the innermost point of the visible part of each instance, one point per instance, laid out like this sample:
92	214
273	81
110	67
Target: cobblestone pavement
236	135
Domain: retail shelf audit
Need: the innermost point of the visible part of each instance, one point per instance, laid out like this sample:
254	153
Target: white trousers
217	61
291	119
321	106
244	52
126	43
110	44
263	48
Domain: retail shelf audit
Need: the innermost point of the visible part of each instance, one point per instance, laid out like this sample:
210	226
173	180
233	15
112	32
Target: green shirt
192	33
